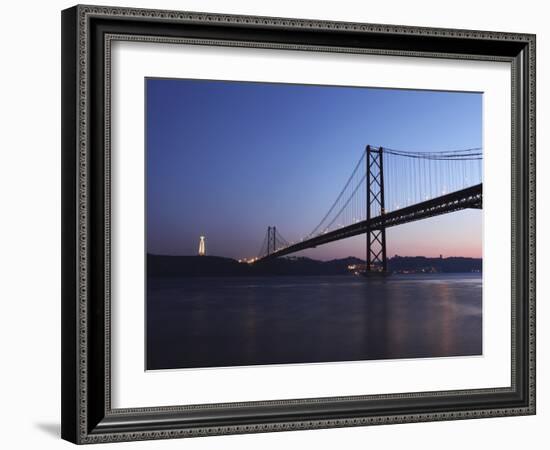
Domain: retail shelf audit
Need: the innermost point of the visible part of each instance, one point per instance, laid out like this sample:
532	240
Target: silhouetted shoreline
197	266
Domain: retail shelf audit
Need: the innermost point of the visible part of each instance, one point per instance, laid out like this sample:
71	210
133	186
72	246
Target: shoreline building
202	246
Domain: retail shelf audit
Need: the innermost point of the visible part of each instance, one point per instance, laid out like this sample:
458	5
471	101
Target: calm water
212	322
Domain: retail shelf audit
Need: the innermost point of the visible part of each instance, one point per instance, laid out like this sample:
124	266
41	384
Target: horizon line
323	260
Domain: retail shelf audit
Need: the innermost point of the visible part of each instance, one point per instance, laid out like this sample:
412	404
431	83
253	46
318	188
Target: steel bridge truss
471	197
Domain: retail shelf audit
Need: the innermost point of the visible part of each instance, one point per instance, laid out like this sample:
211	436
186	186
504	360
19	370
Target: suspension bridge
390	187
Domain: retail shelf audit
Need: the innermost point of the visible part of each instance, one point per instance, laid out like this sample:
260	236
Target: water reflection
212	322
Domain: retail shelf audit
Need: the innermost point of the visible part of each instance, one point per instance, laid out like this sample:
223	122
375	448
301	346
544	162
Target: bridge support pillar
271	240
376	260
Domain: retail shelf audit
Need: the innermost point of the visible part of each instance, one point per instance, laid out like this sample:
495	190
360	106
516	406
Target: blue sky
228	159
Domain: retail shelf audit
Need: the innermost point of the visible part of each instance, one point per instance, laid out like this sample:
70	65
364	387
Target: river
214	322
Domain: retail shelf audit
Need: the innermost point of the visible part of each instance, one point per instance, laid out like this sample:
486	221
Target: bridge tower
376	238
271	239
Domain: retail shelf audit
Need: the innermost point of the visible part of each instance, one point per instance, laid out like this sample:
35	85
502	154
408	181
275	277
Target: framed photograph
277	224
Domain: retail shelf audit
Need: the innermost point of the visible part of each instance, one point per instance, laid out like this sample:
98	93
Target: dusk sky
228	159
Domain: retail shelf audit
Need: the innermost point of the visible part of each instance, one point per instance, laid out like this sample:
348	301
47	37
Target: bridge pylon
271	240
376	260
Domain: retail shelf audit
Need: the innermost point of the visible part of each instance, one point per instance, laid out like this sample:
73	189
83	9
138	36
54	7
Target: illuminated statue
202	246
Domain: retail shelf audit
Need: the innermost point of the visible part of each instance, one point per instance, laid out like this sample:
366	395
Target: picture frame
87	413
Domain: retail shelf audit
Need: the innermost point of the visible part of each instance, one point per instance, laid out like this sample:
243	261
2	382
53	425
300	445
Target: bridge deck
466	198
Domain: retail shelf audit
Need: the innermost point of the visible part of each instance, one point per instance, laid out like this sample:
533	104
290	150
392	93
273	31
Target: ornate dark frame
87	32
